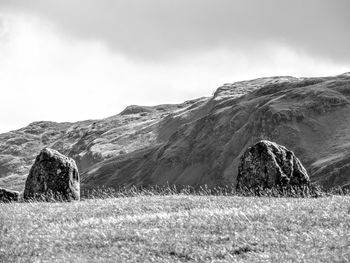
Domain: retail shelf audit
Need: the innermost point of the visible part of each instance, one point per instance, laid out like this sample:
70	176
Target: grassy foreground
178	228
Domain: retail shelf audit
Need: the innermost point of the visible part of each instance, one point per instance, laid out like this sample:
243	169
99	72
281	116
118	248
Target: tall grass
308	191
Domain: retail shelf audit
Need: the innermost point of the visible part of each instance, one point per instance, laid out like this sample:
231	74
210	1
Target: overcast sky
69	60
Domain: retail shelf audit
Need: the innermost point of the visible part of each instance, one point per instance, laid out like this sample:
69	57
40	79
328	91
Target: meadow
181	227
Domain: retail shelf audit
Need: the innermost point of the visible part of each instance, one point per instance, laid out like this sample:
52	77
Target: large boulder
8	195
53	175
267	164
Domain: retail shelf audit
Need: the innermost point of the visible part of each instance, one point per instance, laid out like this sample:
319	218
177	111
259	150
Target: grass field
178	228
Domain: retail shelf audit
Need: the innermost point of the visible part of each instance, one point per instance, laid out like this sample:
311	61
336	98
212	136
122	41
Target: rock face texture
267	164
199	141
53	174
8	195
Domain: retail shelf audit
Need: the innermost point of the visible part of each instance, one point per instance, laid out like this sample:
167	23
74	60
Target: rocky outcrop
8	195
53	175
267	164
135	109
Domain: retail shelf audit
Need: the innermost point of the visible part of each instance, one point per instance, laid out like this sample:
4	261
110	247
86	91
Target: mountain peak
239	88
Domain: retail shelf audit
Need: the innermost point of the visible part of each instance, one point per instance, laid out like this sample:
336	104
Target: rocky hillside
88	142
199	141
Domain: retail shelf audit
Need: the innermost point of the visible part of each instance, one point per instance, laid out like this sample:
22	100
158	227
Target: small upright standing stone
53	174
8	195
267	164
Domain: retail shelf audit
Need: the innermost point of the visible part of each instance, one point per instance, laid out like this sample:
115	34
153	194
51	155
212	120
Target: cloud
63	61
159	29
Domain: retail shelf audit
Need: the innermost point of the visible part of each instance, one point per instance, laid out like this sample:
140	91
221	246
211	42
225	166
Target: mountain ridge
199	141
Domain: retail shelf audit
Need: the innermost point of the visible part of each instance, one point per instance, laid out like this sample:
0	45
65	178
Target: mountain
88	142
199	141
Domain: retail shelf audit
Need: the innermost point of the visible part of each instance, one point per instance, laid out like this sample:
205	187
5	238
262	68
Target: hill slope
309	116
199	141
88	142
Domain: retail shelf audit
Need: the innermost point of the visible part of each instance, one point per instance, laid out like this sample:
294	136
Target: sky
71	60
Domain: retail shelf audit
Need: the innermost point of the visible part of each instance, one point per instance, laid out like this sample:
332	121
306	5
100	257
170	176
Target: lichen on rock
53	175
267	164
